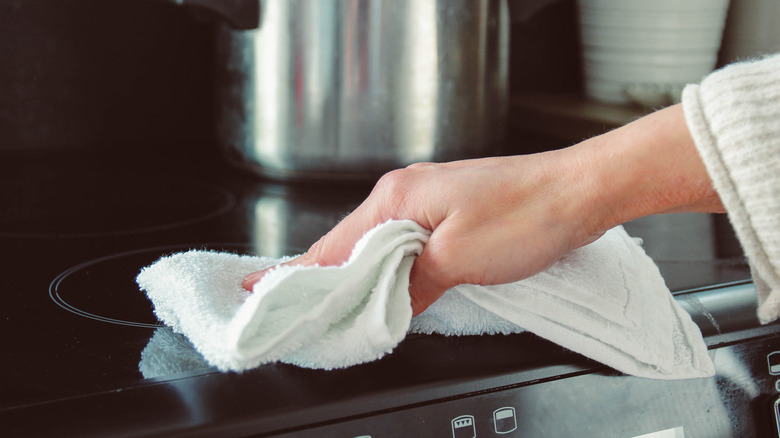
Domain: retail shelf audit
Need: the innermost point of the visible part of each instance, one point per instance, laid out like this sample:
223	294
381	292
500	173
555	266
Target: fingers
425	286
332	249
323	253
395	196
250	280
424	289
435	270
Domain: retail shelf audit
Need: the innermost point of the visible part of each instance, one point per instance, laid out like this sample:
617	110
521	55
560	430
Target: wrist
649	166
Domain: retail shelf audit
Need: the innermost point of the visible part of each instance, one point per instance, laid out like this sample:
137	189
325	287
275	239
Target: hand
493	220
503	219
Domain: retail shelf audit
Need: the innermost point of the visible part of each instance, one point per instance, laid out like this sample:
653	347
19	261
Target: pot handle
239	14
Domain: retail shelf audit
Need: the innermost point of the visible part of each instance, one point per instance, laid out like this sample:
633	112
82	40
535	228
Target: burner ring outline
164	250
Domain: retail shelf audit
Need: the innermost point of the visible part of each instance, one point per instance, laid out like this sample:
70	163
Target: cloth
734	118
606	301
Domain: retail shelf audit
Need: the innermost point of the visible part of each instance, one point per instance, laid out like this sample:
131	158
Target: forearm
647	167
502	219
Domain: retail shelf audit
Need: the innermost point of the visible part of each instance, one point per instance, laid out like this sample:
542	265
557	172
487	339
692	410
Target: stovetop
81	342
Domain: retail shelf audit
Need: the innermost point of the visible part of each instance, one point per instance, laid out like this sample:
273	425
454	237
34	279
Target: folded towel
606	300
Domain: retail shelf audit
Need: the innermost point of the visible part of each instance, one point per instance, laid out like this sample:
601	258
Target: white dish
646	51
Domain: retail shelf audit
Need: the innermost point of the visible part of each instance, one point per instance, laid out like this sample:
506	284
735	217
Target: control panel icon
463	427
504	420
773	361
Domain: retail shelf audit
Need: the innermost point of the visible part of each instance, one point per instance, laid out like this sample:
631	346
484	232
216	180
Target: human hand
503	219
492	221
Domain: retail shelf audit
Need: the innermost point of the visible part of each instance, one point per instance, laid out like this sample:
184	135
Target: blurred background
137	78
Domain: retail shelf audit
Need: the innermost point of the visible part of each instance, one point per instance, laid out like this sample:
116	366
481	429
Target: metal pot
349	89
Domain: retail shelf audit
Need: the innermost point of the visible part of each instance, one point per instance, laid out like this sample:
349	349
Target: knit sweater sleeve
734	117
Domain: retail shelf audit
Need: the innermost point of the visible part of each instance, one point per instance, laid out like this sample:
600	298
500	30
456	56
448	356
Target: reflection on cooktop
54	202
170	354
691	250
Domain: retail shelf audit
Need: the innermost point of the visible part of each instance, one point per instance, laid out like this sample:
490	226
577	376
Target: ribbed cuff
734	118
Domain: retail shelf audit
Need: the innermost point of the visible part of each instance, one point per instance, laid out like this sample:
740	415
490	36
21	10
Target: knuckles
392	191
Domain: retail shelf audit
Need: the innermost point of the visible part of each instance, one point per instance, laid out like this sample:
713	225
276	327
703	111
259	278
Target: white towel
606	301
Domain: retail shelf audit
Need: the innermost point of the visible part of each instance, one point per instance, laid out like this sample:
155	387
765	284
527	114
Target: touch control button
504	420
773	361
463	427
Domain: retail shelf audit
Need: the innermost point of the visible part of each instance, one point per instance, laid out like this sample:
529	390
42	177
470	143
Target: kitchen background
136	78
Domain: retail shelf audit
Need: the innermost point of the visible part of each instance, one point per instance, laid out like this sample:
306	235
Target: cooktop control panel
598	404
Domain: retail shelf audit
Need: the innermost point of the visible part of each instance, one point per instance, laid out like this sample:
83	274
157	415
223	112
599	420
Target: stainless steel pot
349	89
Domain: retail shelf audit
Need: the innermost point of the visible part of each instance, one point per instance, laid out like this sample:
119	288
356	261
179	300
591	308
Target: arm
502	219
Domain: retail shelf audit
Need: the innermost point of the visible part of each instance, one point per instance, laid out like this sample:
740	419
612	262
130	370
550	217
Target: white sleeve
734	117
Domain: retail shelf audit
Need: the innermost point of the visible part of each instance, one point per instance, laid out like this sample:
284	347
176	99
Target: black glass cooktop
74	233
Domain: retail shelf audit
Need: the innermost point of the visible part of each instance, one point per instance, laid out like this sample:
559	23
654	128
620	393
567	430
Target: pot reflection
171	354
286	220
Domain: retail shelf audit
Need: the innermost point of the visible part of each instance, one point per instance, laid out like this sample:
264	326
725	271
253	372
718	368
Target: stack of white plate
646	51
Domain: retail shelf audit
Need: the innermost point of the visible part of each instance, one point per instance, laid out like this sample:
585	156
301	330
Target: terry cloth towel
606	301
